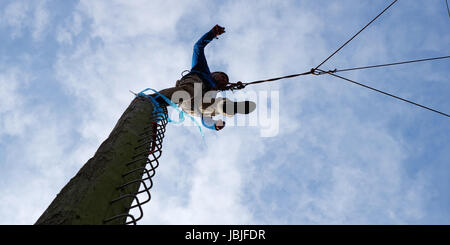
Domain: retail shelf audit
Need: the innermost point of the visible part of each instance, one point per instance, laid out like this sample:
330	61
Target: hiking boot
243	107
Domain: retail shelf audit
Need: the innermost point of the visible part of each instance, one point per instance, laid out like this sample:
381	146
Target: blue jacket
199	63
200	66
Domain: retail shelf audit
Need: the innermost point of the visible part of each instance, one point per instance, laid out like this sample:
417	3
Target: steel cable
383	65
385	93
356	34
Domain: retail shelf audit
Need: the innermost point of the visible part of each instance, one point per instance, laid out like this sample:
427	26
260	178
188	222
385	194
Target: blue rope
157	109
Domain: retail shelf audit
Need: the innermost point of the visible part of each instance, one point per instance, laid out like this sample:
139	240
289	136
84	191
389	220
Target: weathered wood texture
86	198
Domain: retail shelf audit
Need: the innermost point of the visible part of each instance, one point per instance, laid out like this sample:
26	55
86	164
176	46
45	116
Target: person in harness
196	91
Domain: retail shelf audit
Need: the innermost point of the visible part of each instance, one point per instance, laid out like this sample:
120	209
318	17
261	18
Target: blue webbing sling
157	109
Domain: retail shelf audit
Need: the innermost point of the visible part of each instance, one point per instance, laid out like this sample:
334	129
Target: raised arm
199	63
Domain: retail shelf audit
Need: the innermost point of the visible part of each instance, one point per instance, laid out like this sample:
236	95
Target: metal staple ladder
145	162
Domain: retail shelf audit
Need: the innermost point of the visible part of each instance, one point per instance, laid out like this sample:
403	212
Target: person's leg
212	107
168	92
177	94
227	107
185	95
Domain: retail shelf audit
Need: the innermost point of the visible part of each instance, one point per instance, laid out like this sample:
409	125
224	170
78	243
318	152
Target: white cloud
72	27
13	115
130	19
41	20
16	15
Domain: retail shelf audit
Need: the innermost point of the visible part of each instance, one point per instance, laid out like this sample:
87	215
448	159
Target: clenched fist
218	30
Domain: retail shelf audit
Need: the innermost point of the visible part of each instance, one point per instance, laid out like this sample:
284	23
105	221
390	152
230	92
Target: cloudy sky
341	154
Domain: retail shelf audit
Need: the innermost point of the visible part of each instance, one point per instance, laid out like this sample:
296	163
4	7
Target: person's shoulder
192	75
